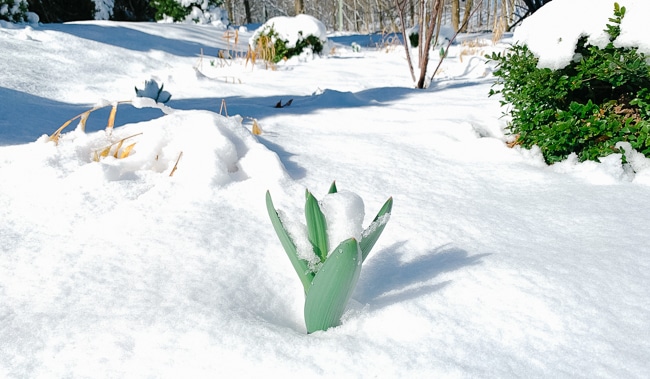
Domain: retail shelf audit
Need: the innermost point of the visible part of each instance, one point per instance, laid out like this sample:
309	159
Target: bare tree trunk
422	27
300	6
455	14
247	10
478	6
468	9
424	59
229	7
401	5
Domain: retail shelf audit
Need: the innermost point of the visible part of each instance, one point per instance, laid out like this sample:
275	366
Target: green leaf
333	188
316	227
332	287
300	265
370	236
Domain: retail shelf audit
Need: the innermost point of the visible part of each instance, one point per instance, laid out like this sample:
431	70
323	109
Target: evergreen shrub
133	10
13	10
54	11
177	11
601	98
279	47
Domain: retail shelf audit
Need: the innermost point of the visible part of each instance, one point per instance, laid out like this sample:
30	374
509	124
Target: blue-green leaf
333	188
316	227
370	236
332	287
300	265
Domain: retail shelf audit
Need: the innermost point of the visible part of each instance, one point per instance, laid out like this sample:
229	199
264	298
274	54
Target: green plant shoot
328	286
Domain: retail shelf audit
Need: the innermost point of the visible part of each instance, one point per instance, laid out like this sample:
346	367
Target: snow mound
195	148
290	28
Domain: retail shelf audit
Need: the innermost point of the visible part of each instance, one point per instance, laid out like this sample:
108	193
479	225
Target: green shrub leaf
599	99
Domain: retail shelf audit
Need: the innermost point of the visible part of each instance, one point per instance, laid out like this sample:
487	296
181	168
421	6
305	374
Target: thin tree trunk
455	14
401	5
229	7
300	6
435	10
422	30
468	9
247	10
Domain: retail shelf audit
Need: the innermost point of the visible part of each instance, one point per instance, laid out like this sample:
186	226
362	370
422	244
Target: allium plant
330	281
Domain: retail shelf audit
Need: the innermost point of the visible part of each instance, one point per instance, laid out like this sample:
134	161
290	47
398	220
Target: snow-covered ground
493	264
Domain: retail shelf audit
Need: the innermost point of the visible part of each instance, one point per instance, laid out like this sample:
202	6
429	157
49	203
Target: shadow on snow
136	40
26	117
386	280
261	107
20	124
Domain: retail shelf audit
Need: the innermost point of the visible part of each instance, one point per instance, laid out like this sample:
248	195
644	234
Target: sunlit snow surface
493	264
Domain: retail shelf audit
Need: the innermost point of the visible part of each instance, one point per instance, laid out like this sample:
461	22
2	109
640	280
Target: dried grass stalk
83	118
111	118
256	128
223	108
176	164
103	153
127	151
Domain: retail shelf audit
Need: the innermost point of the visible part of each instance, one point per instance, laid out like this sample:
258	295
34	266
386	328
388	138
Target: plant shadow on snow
261	107
294	170
52	114
20	124
386	280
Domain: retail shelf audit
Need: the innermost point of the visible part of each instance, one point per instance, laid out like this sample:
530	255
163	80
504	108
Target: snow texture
493	264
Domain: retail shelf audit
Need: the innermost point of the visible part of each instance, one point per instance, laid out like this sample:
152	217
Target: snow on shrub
285	37
13	10
578	94
191	11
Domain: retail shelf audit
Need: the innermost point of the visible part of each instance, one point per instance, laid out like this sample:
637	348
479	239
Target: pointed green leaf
332	287
316	227
333	188
300	265
370	236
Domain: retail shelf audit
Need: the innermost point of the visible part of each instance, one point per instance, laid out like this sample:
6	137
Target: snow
291	29
555	47
493	264
103	9
344	213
